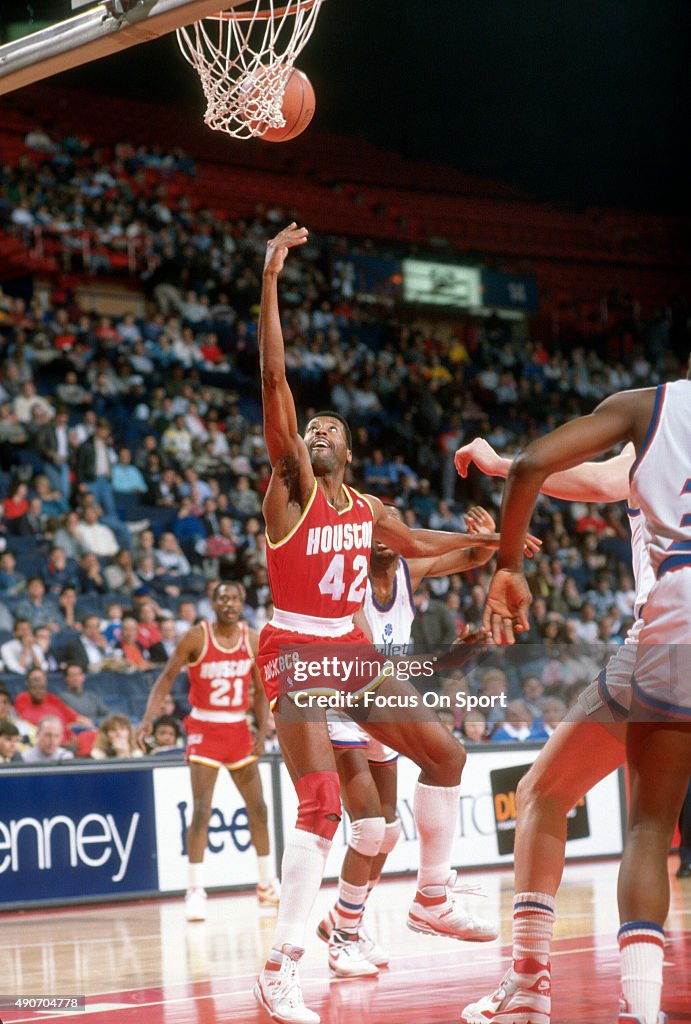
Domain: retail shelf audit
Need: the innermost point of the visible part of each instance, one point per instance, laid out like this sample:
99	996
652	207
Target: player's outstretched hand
506	610
462	649
482	454
277	248
473	635
478	520
532	546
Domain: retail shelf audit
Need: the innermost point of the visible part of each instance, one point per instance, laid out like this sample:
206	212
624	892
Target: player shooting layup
319	541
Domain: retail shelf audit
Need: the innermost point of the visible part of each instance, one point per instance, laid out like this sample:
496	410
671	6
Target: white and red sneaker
269	894
434	912
523	997
369	949
346	959
630	1018
278	989
626	1017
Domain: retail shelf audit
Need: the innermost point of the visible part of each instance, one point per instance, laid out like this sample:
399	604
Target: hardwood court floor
141	963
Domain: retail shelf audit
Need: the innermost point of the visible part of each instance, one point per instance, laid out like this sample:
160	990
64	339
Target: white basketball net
244	59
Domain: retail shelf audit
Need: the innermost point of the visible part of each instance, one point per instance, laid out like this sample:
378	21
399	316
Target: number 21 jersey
220	678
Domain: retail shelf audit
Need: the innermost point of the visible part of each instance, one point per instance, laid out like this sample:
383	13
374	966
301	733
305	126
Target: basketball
298	109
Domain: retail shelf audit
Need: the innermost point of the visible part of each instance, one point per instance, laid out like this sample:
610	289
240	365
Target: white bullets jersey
661	479
391	624
642	570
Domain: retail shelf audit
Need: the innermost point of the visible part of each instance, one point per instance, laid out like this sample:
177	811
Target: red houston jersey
320	568
220	678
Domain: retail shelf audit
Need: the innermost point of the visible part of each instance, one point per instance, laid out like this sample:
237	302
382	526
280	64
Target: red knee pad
319	794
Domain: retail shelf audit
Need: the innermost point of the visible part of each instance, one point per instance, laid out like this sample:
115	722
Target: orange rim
237	15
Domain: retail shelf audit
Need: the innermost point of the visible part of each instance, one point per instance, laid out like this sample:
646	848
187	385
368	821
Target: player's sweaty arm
590	481
280	417
292	477
614	420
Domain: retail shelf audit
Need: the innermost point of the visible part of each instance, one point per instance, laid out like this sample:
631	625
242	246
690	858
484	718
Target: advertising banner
477	842
76	834
230	858
504	782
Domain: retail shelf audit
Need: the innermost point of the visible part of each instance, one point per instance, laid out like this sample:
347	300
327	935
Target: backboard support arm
95	33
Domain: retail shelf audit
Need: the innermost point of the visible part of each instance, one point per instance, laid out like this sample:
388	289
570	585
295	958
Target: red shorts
291	662
220	744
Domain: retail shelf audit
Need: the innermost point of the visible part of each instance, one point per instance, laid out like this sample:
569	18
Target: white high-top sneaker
278	989
345	958
523	997
434	912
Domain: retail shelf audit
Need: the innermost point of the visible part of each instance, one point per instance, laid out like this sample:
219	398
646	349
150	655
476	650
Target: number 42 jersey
319	570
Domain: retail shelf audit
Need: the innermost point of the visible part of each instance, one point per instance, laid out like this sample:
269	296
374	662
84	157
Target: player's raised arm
188	649
280	418
591	481
292	476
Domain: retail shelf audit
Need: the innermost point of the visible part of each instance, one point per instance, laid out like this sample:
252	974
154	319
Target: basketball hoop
244	58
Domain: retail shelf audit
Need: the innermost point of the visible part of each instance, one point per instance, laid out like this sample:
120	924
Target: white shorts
662	678
612	687
348	735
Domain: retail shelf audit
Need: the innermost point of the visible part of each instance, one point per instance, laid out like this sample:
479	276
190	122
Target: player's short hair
8	728
335	416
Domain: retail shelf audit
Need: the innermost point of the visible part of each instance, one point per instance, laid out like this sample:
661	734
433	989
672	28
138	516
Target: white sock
304	859
641	952
195	875
349	905
264	869
533	923
435	809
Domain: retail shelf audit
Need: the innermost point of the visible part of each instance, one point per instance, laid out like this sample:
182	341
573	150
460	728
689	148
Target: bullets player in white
561	774
658	740
366	767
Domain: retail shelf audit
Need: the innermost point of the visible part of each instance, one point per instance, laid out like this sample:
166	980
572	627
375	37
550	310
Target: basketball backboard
45	37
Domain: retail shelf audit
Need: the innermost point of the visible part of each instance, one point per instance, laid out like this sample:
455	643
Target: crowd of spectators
133	465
